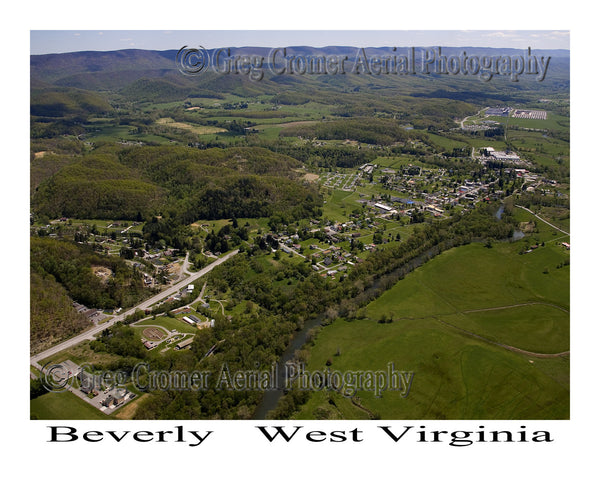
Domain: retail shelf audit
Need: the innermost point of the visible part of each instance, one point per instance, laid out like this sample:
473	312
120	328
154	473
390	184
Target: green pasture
455	376
447	319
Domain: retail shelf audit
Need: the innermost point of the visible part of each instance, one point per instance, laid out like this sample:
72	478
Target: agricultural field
197	129
478	345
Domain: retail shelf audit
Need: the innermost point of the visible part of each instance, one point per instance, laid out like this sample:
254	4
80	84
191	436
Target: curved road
92	332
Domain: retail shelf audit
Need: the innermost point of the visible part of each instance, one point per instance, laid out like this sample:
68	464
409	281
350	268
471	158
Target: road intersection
92	332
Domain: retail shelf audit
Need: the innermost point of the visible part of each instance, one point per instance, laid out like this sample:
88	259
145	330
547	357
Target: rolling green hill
184	183
62	102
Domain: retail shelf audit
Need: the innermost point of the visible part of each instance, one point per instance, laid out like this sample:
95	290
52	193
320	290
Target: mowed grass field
63	406
455	321
197	129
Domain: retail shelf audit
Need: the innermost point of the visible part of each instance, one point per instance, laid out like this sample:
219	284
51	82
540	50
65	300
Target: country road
545	221
92	332
462	122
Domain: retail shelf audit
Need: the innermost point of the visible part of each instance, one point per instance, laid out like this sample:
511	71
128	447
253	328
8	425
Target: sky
61	41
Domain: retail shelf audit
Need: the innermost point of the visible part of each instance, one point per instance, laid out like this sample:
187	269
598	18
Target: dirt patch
127	411
102	273
527	227
311	177
41	154
153	333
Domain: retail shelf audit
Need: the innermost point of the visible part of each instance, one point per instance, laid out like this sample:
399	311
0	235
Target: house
89	383
119	396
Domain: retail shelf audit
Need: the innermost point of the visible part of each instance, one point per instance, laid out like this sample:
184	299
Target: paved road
184	267
545	221
462	122
92	332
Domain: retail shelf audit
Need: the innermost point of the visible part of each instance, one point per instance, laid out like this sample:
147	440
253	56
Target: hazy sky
60	41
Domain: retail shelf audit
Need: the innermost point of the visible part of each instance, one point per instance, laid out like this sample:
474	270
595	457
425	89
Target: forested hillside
184	183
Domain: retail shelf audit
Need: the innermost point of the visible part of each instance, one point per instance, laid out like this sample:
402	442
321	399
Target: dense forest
375	131
53	317
72	265
183	183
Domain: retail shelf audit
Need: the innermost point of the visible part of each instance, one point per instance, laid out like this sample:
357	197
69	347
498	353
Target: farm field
197	129
441	329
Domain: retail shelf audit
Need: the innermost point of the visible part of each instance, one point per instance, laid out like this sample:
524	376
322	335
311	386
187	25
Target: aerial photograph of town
300	231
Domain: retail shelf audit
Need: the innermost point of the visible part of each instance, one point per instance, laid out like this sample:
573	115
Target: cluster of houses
104	396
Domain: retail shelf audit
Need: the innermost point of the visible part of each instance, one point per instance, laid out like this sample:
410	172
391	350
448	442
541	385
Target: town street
92	332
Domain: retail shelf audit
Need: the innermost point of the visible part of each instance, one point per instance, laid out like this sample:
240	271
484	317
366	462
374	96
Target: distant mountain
98	70
152	76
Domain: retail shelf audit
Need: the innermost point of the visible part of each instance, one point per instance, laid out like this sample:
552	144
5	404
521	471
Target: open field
170	323
80	354
63	406
197	129
474	277
455	376
453	321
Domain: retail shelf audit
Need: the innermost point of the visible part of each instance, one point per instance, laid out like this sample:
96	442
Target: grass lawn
169	323
63	406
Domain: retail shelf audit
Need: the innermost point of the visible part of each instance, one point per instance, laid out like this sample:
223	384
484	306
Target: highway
92	332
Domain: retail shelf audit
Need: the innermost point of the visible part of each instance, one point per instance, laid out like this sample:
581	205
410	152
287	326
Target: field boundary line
503	345
515	306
